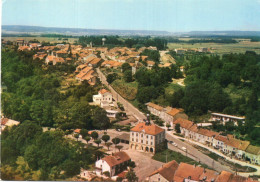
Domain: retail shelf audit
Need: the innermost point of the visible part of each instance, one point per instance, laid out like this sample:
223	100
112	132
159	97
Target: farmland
240	47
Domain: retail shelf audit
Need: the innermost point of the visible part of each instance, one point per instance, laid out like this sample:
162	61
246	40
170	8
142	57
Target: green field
218	48
40	39
126	90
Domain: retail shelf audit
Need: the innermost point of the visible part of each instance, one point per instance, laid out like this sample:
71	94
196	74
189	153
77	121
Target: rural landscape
112	104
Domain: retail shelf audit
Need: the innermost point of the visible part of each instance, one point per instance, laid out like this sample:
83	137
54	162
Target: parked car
175	144
184	149
171	142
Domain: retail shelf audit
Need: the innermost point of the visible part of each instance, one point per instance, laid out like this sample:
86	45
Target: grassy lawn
126	90
240	47
178	157
172	87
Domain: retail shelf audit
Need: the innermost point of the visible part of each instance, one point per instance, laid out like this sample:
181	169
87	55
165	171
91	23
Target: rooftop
148	129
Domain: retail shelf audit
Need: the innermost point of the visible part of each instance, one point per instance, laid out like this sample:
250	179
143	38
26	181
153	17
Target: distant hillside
20	29
223	33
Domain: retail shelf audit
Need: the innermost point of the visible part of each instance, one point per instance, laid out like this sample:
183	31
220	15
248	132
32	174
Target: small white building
111	113
224	118
114	164
8	122
103	95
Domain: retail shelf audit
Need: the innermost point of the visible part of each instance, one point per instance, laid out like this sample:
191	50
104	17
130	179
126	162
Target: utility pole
213	164
166	155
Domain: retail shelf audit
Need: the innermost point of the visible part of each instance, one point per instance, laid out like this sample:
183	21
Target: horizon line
139	29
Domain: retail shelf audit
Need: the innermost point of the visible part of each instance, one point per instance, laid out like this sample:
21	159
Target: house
114	164
24	48
103	95
184	125
180	51
95	62
164	173
8	122
187	172
54	60
253	154
150	64
226	118
20	42
171	115
225	176
111	113
154	108
147	137
219	141
202	49
205	136
242	149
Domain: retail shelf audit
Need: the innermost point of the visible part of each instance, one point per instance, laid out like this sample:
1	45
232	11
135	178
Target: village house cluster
183	172
228	145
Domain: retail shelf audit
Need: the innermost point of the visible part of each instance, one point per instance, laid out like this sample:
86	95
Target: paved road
195	154
243	163
144	164
127	105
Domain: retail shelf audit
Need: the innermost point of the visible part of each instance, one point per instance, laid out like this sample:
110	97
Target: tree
178	128
131	176
94	135
108	144
83	132
119	147
132	164
128	76
87	138
106	173
116	141
100	119
98	141
111	77
168	126
105	138
71	168
76	136
126	67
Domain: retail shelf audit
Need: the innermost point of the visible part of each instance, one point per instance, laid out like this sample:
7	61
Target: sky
166	15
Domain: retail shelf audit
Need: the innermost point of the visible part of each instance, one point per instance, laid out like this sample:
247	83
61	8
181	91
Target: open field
46	39
126	90
240	47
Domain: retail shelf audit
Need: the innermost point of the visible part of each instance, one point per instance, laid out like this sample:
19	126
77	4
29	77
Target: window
151	137
147	136
141	135
132	139
142	141
133	134
146	142
136	140
151	143
136	134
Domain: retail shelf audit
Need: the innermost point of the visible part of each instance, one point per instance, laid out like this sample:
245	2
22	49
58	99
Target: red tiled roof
148	129
155	106
167	170
224	176
4	121
102	91
184	123
206	132
185	171
116	158
174	111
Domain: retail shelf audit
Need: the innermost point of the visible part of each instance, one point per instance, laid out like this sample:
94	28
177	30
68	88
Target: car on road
171	142
184	149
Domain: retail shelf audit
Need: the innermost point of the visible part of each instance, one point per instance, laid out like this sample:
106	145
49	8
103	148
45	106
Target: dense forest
228	84
28	153
33	97
33	93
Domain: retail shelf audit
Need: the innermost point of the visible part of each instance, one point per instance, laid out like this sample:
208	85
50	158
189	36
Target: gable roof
155	106
206	132
186	171
184	123
174	111
208	175
224	176
116	158
103	91
148	129
167	170
4	121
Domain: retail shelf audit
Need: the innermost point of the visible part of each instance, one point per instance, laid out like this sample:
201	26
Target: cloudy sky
169	15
